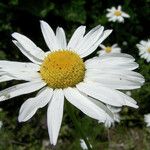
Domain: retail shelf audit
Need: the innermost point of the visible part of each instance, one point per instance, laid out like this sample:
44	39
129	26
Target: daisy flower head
62	73
147	119
116	14
144	49
109	49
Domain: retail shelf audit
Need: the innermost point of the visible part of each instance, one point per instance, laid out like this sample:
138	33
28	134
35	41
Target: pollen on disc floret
62	69
117	13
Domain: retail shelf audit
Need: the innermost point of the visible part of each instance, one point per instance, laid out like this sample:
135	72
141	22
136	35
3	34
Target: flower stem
77	125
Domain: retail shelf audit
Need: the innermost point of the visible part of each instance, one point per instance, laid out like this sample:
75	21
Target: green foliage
23	16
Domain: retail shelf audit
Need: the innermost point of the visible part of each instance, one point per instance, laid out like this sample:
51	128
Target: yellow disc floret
148	49
108	49
62	69
117	13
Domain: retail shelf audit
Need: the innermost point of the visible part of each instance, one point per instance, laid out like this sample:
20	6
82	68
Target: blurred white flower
128	93
109	49
144	49
83	144
1	109
116	14
1	124
124	43
147	119
45	143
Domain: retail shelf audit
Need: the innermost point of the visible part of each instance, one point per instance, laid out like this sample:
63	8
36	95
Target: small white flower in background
116	14
45	143
124	43
83	144
1	109
109	49
144	49
1	124
62	73
147	119
128	93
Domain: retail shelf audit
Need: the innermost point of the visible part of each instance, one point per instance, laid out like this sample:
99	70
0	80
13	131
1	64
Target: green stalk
77	124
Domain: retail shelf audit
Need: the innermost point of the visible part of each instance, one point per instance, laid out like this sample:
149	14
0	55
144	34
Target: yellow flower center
117	13
62	69
108	49
148	49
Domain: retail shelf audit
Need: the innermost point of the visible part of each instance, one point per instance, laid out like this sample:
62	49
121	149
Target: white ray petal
124	80
60	35
5	78
19	66
76	38
104	94
126	62
96	44
85	104
26	75
55	115
29	46
21	89
49	36
30	106
89	39
30	56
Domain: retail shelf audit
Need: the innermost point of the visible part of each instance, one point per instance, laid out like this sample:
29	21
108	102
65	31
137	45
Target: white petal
122	56
49	36
120	19
124	80
102	46
125	15
30	106
95	45
105	34
29	46
26	75
21	89
55	115
126	62
33	58
104	94
128	100
89	39
60	34
76	38
19	66
119	8
85	104
5	78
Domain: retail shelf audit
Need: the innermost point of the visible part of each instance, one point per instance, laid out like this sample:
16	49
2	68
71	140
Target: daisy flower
147	119
83	144
116	15
144	49
109	49
62	73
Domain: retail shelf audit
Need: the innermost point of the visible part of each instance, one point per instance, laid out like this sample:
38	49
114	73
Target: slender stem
77	125
108	135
